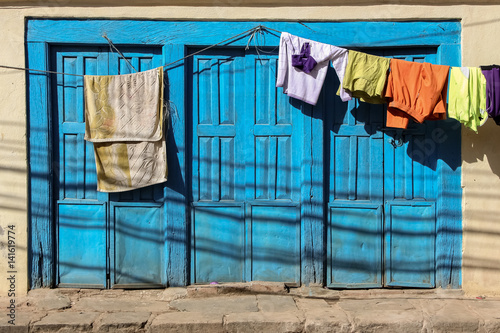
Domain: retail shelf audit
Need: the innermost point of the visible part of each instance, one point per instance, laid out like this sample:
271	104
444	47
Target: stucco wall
481	162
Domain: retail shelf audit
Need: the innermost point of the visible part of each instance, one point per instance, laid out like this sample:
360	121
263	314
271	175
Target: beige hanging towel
124	120
124	107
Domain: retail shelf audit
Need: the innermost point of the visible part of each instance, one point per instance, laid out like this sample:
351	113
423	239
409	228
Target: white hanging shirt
307	86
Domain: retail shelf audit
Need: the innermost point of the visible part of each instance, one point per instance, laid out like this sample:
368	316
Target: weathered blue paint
410	236
292	200
347	34
367	169
137	242
449	203
175	213
41	227
312	195
81	244
96	231
355	235
246	141
354	161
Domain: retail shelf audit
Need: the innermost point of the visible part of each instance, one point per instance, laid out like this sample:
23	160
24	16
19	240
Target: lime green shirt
365	77
467	96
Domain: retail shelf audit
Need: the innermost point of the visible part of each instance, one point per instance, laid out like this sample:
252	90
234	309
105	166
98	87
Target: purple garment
492	75
304	60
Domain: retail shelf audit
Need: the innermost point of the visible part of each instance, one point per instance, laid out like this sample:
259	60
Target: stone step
306	309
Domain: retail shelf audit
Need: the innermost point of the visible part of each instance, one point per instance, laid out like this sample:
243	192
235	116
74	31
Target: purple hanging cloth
304	61
492	75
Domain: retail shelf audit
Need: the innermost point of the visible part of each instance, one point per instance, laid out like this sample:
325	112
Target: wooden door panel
246	152
138	241
370	166
275	243
410	238
218	243
81	236
85	224
355	252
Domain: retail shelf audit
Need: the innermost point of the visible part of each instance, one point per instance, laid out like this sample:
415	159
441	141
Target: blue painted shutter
274	153
218	168
81	210
410	244
376	196
97	233
354	157
247	150
246	157
137	224
409	196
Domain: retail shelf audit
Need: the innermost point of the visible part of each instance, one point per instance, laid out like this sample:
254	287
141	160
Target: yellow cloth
467	96
365	77
126	166
124	120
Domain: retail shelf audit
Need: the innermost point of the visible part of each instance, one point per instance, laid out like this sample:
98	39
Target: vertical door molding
40	208
176	209
449	201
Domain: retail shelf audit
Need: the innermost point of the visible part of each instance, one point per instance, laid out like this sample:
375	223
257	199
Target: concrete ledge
275	303
314	291
325	319
488	311
389	321
452	316
66	322
275	322
314	311
122	322
217	305
252	288
21	323
104	304
187	322
383	315
48	299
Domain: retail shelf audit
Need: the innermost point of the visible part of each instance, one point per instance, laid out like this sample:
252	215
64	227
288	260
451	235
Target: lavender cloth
304	60
307	86
492	75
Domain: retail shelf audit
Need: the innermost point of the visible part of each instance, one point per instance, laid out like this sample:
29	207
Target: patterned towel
124	120
124	107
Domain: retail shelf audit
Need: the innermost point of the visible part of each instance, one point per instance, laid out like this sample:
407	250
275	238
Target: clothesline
111	45
348	61
38	70
413	91
250	32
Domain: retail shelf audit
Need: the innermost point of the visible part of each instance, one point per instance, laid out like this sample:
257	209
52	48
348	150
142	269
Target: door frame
174	37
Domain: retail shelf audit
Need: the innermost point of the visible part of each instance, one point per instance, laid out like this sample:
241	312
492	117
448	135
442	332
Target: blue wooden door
246	152
248	146
410	182
103	240
261	186
382	198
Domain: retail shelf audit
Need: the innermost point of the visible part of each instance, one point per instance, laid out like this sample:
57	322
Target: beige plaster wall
481	162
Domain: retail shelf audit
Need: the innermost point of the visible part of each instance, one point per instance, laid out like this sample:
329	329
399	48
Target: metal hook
397	143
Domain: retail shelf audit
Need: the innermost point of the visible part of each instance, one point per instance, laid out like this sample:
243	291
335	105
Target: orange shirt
415	91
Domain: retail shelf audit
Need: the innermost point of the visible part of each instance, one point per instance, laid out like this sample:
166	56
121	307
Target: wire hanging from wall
112	46
251	32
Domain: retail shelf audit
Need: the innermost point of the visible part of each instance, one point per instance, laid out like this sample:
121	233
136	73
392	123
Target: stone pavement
250	307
